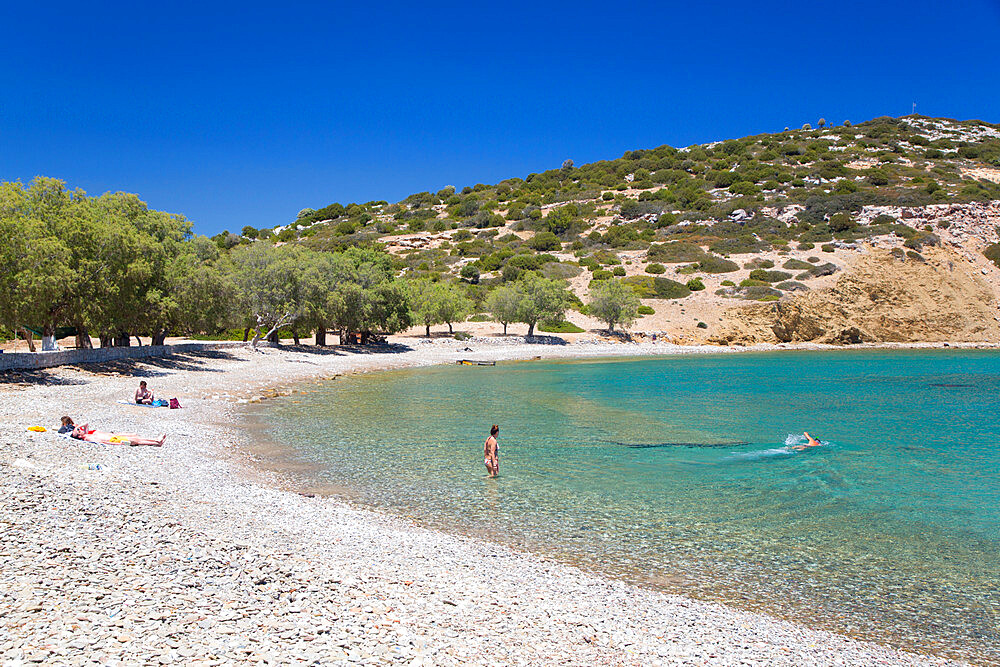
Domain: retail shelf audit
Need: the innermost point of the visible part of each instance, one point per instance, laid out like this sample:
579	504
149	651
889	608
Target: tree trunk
504	328
321	336
246	334
123	339
159	338
450	329
611	327
295	336
29	340
273	338
138	340
49	338
531	329
428	330
83	339
106	340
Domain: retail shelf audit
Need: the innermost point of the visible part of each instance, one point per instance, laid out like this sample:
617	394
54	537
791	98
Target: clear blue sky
244	113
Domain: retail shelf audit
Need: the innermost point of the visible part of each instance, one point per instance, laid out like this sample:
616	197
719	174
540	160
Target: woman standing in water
491	452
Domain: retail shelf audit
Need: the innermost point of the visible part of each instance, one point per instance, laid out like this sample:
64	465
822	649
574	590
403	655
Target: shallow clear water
889	531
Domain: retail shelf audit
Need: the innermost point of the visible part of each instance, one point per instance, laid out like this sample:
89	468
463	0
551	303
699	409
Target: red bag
174	404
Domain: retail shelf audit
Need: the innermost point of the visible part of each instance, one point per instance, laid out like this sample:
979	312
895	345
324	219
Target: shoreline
247	530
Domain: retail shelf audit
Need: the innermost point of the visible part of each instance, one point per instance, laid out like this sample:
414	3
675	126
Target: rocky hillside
878	231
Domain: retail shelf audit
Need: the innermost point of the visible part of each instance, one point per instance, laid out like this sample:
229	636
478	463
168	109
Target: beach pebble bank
187	555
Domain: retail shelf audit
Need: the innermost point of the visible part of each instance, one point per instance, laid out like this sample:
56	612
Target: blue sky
244	113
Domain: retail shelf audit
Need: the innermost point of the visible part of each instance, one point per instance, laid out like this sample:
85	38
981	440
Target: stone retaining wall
32	360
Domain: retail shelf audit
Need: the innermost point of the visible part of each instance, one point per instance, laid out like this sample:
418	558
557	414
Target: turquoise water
677	473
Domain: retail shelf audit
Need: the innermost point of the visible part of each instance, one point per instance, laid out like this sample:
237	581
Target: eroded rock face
940	298
792	324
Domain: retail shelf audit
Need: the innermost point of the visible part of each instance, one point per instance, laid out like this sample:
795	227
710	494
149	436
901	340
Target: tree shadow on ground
158	366
39	376
545	340
342	350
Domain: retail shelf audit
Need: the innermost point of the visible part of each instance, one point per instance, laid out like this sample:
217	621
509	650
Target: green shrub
813	259
713	264
769	276
728	283
618	271
675	252
792	286
750	282
545	241
648	287
470	273
701	325
796	265
462	335
841	222
805	245
695	285
743	244
914	255
759	263
602	274
655	268
559	271
688	270
827	247
992	253
645	310
918	241
563	326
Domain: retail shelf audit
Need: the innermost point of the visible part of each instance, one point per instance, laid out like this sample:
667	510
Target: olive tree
540	299
503	304
614	302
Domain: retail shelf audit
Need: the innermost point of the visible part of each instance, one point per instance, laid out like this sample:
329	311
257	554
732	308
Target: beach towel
156	404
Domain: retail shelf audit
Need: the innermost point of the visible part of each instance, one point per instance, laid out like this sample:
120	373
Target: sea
685	474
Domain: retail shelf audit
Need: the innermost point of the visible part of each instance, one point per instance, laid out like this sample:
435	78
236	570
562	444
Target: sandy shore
189	555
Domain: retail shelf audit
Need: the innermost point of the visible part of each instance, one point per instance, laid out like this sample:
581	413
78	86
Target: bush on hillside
695	285
713	264
769	276
645	310
545	241
796	265
759	263
992	253
675	252
655	268
648	287
743	244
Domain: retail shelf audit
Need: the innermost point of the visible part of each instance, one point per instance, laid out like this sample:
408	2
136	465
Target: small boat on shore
470	362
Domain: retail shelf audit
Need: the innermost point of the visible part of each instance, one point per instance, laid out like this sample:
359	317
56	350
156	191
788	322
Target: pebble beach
193	554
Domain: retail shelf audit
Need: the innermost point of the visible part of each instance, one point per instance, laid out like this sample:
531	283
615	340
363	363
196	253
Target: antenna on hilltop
913	112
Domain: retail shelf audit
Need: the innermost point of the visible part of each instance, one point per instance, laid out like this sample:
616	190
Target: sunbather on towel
87	434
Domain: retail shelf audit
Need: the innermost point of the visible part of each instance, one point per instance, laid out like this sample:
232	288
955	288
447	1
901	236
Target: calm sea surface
677	473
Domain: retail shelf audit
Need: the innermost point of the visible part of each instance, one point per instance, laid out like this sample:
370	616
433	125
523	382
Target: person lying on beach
87	434
810	442
491	452
143	396
67	425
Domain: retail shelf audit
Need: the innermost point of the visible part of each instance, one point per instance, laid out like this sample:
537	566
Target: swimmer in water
811	442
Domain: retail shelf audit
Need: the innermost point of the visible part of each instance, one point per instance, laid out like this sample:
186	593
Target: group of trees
110	267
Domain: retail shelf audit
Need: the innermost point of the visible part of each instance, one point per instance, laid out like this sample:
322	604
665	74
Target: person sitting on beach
143	396
491	452
810	442
88	434
67	425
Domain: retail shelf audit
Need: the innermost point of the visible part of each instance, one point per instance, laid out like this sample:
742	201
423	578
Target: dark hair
67	420
142	382
494	430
